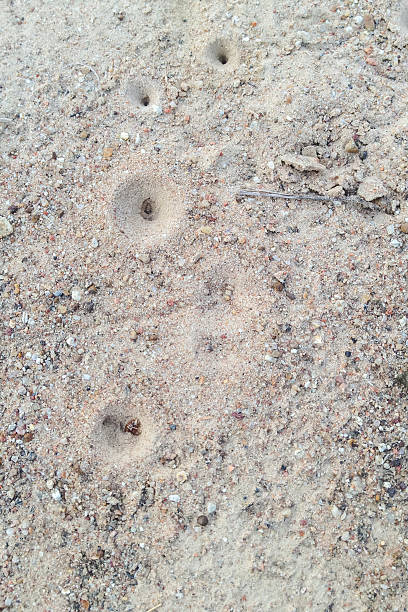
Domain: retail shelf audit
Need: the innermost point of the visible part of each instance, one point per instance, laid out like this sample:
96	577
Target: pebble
351	147
133	335
309	151
5	227
211	508
94	243
76	295
404	228
107	153
174	498
124	136
395	243
56	495
302	162
144	257
181	476
369	22
335	511
202	520
371	188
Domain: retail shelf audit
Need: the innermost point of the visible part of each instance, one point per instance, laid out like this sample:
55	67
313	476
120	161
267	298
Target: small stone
94	243
5	227
144	257
56	495
369	22
302	162
181	476
11	493
83	135
395	243
107	153
50	484
174	498
371	188
202	520
309	151
404	228
124	136
277	285
76	294
351	147
133	335
335	512
211	508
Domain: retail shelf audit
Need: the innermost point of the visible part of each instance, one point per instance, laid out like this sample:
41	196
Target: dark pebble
202	520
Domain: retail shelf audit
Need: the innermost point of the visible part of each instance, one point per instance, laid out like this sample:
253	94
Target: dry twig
304	196
155	607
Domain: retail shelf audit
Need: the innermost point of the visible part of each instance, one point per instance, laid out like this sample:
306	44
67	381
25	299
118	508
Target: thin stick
287	196
155	607
308	196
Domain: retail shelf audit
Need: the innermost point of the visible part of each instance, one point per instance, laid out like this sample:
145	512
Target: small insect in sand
133	427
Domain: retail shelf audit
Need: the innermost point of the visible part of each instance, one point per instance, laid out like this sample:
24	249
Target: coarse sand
203	399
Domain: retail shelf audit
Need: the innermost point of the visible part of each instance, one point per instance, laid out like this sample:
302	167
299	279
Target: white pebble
211	508
395	243
56	495
174	498
124	136
76	294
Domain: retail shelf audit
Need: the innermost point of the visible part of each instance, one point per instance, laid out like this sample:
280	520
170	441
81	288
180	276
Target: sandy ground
203	398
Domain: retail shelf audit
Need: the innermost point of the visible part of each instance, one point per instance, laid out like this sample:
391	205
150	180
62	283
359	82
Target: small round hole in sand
121	432
146	208
222	58
222	54
142	93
